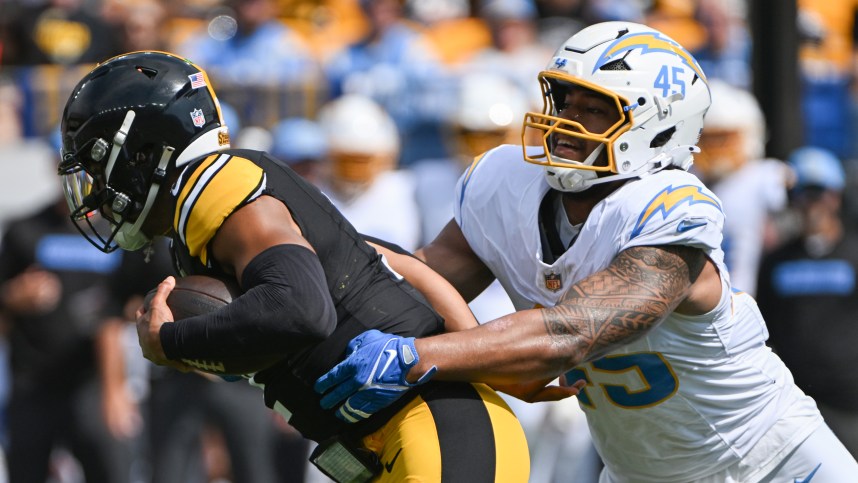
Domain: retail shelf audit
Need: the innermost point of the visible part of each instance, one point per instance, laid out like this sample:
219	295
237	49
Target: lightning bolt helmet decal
648	42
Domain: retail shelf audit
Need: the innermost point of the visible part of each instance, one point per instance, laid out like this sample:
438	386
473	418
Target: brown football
199	294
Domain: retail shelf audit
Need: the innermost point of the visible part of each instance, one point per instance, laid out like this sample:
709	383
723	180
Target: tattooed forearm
619	304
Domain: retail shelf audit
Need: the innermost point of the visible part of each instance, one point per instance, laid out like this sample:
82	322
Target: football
199	294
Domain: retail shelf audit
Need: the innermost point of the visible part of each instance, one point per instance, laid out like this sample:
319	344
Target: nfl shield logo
553	281
198	117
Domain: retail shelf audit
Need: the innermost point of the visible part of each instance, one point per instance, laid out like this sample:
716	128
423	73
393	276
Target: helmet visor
77	186
89	206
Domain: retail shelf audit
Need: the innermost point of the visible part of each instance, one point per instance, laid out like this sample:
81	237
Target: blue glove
371	377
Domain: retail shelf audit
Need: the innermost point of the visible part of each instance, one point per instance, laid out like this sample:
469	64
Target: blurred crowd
382	104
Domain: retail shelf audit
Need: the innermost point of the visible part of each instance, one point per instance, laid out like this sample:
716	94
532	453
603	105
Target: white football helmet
734	132
487	113
362	138
657	87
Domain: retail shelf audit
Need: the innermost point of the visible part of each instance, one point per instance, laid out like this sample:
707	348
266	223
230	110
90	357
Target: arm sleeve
286	305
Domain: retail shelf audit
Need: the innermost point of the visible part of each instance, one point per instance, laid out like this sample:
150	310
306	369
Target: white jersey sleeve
674	209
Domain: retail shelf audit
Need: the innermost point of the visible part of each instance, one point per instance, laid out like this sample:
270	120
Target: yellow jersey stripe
220	189
186	190
201	181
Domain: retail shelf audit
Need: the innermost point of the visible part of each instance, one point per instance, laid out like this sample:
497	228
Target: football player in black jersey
146	154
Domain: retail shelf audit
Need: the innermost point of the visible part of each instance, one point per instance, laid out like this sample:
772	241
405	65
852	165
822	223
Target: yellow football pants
453	432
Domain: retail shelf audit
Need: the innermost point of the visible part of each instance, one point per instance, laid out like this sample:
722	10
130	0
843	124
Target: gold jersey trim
217	187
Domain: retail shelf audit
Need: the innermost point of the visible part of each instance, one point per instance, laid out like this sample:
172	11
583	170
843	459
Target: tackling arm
450	255
440	294
604	311
600	313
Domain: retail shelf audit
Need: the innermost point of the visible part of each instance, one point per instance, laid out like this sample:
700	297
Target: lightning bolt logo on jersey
670	198
697	388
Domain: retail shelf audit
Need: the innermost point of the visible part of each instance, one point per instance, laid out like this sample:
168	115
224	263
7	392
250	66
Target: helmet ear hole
662	138
618	64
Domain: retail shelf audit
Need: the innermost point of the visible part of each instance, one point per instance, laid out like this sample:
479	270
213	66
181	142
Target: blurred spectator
247	45
751	188
391	64
53	290
28	160
827	65
557	20
143	25
516	52
365	185
263	67
678	20
609	10
329	25
22	159
450	29
726	52
58	32
807	292
301	144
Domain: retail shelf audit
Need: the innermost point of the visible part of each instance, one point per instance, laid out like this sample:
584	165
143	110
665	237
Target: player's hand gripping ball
198	294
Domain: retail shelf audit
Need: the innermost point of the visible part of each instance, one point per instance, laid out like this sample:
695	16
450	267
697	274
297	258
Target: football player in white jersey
611	252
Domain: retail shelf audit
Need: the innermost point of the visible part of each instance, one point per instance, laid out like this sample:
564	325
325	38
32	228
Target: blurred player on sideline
751	187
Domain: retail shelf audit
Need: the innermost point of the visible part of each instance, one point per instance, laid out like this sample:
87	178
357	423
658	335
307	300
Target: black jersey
366	294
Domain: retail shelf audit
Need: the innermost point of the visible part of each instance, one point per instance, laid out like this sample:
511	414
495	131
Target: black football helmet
127	127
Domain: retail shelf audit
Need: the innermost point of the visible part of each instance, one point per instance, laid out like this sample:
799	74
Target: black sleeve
286	305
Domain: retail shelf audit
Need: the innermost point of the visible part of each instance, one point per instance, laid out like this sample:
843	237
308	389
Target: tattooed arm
606	310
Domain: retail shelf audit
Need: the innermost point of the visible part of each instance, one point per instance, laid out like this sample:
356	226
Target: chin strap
679	156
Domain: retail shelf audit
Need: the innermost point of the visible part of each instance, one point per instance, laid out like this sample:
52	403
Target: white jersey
695	394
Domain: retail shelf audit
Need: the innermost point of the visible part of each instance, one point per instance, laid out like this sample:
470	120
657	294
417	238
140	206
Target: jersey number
670	81
657	379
